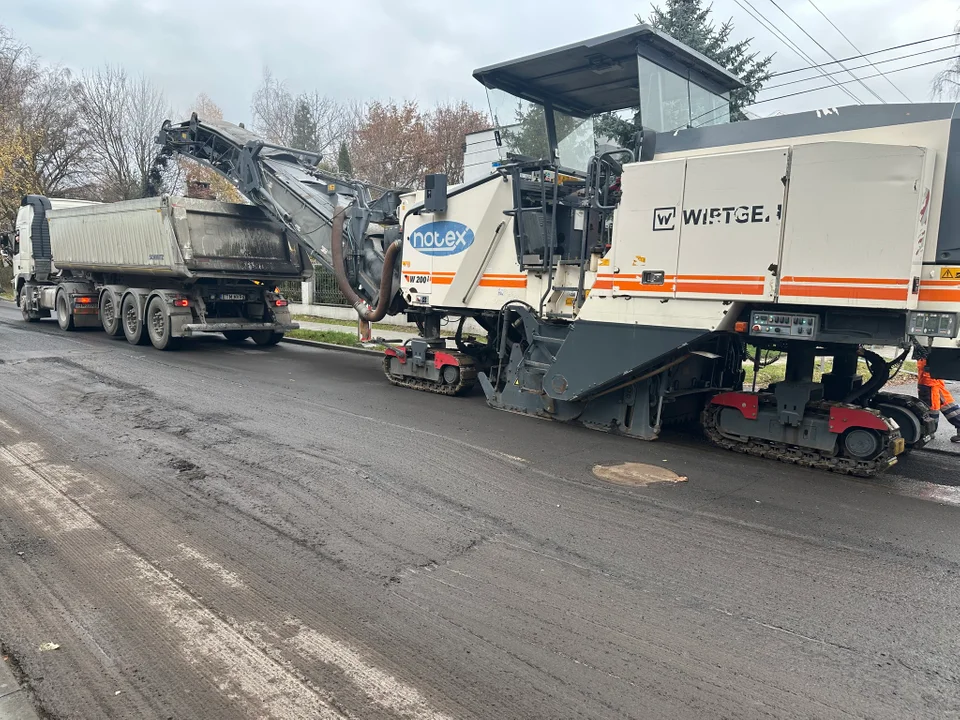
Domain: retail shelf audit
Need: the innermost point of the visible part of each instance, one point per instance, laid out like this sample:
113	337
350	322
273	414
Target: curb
15	701
332	346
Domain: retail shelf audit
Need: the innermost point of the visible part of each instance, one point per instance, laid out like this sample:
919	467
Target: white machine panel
730	225
646	234
855	226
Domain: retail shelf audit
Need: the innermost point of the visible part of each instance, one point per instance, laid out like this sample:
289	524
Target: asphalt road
230	532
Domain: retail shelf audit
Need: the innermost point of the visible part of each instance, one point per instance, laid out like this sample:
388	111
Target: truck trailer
156	270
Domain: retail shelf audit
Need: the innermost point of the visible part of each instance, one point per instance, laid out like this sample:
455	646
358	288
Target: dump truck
156	270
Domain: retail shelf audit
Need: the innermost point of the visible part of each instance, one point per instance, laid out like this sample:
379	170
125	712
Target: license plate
233	296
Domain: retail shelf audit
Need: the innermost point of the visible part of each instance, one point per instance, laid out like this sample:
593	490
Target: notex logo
443	237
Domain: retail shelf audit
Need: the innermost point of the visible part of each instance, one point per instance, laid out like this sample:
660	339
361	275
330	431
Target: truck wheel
109	315
132	323
235	336
158	325
64	316
28	316
266	338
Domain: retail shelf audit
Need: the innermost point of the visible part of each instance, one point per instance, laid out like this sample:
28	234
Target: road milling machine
625	284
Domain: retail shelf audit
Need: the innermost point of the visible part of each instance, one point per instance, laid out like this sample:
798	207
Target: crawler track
466	381
808	457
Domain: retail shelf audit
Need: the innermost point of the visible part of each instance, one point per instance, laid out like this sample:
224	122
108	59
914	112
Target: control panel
786	325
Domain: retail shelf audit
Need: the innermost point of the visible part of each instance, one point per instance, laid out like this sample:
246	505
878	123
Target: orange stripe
503	283
437	280
846	281
633	285
720	288
939	295
857	293
724	278
941	283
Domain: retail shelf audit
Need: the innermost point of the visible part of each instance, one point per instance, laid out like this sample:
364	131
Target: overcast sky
426	50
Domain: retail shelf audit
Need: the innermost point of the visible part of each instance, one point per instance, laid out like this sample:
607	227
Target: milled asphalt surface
232	532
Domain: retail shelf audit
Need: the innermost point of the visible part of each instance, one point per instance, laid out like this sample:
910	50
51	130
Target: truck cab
24	266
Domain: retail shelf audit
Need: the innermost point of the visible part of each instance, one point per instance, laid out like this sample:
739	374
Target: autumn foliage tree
41	150
396	143
194	173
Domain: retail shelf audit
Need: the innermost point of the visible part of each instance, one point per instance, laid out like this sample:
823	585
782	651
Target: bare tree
119	117
272	109
275	116
59	154
946	83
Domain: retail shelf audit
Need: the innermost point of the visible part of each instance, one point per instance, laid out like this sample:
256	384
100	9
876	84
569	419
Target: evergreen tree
305	135
343	159
689	22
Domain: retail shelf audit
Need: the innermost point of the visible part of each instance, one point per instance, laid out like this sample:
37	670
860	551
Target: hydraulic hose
386	277
879	374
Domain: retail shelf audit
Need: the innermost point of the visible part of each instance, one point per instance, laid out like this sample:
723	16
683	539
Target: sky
426	50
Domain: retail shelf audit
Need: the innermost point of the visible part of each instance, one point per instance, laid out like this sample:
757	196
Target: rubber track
798	455
468	378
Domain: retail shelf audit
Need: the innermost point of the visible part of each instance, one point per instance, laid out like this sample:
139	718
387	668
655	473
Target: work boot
956	438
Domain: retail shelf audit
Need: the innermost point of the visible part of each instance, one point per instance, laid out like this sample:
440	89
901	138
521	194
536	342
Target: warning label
951	273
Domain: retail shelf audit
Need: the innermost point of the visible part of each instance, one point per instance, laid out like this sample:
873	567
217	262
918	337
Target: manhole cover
638	474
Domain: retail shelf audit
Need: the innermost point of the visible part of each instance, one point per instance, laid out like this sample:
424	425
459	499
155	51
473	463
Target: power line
865	77
860	67
850	43
817	89
767	25
857	57
831	55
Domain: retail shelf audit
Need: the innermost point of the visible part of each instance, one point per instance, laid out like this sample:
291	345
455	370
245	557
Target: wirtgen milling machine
625	287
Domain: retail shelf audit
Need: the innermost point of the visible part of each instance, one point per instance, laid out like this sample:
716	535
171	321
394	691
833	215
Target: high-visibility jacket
939	395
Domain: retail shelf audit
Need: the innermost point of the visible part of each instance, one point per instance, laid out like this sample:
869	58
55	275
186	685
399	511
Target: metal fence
325	290
291	290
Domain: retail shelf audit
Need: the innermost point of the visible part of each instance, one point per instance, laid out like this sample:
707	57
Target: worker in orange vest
934	392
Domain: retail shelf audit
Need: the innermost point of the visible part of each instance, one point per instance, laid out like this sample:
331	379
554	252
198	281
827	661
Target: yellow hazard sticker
951	273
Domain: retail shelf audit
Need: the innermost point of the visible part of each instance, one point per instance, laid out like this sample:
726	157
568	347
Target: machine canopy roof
601	74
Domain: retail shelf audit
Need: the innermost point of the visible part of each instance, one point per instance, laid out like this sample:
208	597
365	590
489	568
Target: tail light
181	302
280	302
83	300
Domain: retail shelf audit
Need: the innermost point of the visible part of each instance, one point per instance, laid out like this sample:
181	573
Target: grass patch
7	296
353	323
408	329
777	371
332	337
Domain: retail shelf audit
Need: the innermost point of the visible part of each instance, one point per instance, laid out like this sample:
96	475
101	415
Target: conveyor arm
361	246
